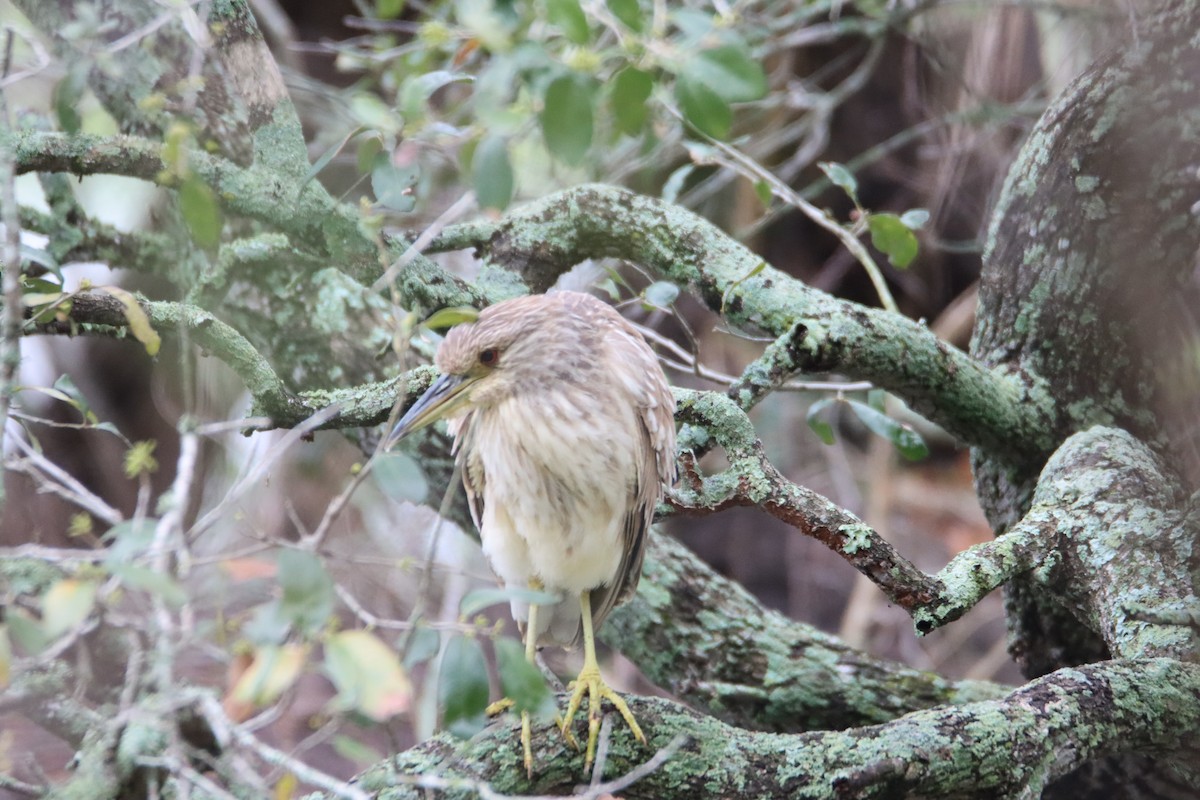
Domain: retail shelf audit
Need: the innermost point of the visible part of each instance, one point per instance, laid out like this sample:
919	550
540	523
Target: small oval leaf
822	428
841	177
463	687
400	477
567	117
703	107
522	682
479	599
893	238
394	186
492	174
200	211
569	17
907	441
66	604
630	89
660	294
368	675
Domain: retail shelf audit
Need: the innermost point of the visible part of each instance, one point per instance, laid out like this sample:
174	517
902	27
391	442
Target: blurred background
924	102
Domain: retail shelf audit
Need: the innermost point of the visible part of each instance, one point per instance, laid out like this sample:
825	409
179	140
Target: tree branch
543	239
1007	747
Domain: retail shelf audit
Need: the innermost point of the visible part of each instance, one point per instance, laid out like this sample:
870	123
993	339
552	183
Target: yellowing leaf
66	604
135	315
273	670
285	789
368	675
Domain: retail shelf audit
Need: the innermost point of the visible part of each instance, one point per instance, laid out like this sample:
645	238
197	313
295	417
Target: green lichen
858	538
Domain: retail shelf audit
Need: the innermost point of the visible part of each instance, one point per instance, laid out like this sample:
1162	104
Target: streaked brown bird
564	429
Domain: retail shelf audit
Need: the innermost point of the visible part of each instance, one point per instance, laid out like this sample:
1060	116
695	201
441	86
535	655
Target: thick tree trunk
1087	293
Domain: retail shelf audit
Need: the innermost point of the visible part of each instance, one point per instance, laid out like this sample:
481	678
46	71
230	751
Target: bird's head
513	346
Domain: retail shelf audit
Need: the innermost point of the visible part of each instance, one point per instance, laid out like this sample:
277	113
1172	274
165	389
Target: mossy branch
541	240
1012	746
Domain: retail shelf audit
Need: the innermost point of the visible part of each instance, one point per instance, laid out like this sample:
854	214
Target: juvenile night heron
564	428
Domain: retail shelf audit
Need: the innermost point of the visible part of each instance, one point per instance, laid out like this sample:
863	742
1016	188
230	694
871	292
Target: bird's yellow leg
505	703
591	682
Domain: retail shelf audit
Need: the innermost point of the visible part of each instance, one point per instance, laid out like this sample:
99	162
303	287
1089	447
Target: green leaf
67	95
763	191
129	540
367	150
566	117
492	174
328	156
630	89
26	634
841	177
307	599
44	259
914	219
201	212
451	316
355	751
660	294
629	12
463	687
569	17
399	477
703	107
423	644
893	238
66	604
389	9
877	399
419	88
820	427
371	112
393	186
149	580
522	682
368	675
479	599
907	441
729	71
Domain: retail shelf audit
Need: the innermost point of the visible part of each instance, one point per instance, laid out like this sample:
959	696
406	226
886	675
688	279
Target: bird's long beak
445	396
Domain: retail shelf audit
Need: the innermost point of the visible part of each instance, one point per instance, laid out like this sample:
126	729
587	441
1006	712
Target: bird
564	430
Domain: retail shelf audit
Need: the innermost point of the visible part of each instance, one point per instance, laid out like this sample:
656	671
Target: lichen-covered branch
751	480
545	238
1012	746
704	639
1124	548
100	313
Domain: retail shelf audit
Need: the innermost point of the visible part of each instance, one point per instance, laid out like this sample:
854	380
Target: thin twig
55	479
252	475
460	207
221	724
10	284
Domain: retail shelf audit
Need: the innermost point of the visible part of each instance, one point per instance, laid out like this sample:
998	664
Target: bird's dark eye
490	357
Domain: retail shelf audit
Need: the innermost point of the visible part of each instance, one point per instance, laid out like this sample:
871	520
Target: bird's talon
527	743
499	707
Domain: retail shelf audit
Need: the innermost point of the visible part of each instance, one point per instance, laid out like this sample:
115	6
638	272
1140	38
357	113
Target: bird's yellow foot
504	704
591	683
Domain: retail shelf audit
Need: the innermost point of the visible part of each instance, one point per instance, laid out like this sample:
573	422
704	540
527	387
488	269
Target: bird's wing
655	467
473	477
